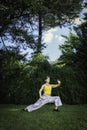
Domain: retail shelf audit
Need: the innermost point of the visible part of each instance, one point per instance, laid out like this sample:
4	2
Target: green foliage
20	82
19	19
9	73
69	49
74	50
73	61
33	76
73	85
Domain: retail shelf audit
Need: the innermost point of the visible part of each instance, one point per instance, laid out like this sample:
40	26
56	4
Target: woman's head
47	80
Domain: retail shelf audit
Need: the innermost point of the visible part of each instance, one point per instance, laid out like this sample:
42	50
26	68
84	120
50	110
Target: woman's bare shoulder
43	85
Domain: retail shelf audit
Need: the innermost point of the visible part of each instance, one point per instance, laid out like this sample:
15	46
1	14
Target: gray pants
44	100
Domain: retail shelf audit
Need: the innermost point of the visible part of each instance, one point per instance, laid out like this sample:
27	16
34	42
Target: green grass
70	117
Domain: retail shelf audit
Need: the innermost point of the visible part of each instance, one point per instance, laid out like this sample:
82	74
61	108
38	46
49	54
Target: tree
82	51
74	61
21	16
69	50
74	50
10	71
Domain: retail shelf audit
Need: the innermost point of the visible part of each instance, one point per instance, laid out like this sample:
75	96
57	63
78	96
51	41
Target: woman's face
48	80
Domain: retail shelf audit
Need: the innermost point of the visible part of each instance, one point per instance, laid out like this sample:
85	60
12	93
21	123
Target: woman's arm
56	85
40	91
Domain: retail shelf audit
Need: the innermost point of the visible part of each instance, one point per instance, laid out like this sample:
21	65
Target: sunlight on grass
13	109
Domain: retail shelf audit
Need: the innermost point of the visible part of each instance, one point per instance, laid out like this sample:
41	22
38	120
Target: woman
46	97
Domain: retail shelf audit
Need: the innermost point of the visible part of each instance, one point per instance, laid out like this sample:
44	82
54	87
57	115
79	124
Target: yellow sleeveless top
47	89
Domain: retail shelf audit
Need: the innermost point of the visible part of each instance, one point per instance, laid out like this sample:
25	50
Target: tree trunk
39	45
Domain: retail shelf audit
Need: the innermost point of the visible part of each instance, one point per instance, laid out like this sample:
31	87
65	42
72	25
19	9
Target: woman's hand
56	85
59	82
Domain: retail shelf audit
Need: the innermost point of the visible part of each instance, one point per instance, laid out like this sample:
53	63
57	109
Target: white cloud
48	36
60	38
52	30
78	21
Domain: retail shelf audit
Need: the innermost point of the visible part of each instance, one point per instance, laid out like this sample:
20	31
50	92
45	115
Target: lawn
70	117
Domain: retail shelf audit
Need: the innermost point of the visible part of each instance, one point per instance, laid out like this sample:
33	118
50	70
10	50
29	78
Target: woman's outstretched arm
56	85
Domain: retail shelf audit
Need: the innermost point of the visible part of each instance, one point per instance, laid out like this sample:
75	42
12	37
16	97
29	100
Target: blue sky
53	39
